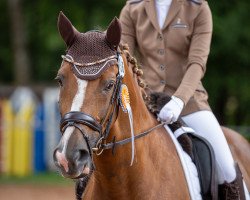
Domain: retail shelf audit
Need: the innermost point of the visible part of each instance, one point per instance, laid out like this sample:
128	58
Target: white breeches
206	125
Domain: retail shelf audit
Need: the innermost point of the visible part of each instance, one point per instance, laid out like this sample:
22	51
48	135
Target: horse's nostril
82	155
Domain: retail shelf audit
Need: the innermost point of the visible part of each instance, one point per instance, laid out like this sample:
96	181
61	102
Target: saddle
197	147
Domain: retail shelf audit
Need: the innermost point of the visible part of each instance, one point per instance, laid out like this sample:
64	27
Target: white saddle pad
189	168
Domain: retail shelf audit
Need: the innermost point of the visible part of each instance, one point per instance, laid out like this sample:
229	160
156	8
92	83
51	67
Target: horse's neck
115	177
155	157
155	173
142	121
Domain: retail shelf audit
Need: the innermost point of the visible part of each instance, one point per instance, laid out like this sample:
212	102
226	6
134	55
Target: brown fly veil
91	53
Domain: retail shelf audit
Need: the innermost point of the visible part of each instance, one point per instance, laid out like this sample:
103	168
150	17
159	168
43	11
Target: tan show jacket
166	54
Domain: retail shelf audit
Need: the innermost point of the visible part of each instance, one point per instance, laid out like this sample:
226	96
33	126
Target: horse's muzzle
76	168
72	156
80	165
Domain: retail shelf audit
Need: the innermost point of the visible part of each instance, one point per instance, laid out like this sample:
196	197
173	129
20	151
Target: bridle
76	118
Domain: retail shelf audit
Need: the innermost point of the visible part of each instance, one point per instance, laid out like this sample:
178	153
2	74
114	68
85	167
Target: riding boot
233	190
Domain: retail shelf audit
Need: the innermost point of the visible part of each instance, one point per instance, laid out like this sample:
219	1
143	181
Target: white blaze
80	95
76	106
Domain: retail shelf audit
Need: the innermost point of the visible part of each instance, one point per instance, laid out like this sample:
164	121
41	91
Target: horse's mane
135	68
153	100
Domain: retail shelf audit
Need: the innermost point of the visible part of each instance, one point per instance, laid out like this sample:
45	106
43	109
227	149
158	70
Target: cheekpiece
90	55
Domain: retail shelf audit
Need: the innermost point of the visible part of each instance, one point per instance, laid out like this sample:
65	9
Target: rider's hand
171	111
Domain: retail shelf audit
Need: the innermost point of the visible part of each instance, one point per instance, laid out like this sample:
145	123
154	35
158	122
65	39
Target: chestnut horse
240	149
95	117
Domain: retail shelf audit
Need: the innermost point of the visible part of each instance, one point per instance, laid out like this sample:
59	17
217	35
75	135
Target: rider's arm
198	54
189	83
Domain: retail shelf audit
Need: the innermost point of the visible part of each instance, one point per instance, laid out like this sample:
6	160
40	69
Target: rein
113	144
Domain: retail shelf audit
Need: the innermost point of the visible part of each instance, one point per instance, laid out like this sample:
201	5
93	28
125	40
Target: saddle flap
204	160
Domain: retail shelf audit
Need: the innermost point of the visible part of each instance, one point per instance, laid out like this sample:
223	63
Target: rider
172	39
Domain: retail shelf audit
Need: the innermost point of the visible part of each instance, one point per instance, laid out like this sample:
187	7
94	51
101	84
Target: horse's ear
113	34
66	29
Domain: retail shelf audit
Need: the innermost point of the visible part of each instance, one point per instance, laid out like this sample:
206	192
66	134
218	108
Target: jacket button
162	67
163	82
161	51
160	37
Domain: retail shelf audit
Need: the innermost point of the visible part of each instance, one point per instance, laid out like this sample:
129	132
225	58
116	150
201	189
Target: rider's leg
206	125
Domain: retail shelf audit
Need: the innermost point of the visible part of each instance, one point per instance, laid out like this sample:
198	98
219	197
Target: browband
92	70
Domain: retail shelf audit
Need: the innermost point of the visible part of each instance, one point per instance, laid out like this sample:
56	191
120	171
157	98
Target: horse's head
89	78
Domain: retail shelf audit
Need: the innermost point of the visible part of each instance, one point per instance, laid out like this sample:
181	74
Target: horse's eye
109	86
59	80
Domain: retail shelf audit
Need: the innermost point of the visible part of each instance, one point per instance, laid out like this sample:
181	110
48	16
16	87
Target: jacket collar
173	11
151	12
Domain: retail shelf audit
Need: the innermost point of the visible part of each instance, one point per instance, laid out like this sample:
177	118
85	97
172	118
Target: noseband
79	118
74	118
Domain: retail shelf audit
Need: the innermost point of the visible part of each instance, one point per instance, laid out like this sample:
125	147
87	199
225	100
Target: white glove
171	111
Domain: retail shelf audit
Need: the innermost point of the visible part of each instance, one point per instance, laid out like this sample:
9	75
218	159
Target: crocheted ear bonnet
91	53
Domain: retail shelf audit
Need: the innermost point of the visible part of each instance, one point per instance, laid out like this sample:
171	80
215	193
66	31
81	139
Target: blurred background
30	49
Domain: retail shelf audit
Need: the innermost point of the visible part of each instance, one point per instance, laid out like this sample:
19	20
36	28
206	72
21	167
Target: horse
110	138
240	149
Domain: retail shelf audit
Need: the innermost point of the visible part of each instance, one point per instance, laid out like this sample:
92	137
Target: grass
48	178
